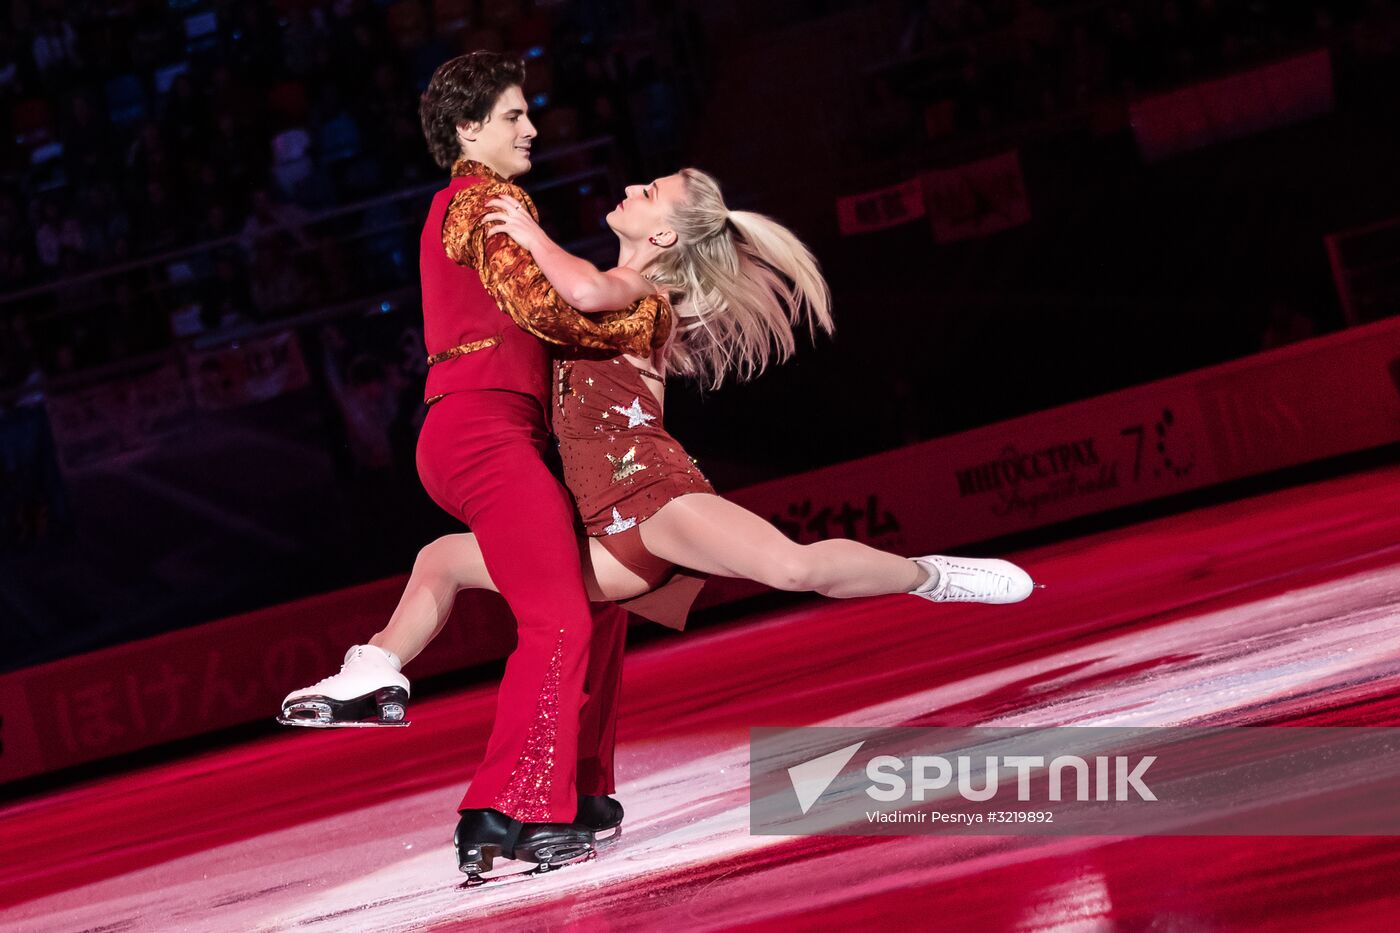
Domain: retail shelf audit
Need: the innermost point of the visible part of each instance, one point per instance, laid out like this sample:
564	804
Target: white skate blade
332	724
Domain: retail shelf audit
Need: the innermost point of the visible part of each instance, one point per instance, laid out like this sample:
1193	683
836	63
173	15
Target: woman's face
646	210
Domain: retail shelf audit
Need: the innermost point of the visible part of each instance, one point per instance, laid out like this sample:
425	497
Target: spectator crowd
142	127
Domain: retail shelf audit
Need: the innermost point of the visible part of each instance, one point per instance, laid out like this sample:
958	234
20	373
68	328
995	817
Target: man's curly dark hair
463	90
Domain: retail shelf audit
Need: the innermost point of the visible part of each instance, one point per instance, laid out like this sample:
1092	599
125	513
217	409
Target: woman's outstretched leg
713	535
370	684
442	569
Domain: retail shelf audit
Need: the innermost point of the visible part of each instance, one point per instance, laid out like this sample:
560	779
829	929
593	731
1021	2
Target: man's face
502	141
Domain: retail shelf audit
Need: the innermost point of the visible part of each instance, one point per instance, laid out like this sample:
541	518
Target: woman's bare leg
453	563
713	535
442	568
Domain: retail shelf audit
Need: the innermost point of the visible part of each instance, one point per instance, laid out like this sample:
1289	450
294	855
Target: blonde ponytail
740	283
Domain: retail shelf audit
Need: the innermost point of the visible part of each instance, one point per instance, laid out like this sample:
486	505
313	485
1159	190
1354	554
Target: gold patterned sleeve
521	290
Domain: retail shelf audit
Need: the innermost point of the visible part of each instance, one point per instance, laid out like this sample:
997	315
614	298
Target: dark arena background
1116	289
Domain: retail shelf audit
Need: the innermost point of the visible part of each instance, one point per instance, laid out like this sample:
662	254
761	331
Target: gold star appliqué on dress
634	413
625	465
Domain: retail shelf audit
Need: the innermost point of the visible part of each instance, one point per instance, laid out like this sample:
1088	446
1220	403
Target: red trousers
480	457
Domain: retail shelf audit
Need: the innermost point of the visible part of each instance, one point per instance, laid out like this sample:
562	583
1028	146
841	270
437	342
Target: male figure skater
480	458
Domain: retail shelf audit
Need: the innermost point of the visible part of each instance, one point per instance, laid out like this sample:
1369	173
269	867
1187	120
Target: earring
652	241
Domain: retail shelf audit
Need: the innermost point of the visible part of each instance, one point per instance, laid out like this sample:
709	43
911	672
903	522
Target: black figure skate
484	835
602	816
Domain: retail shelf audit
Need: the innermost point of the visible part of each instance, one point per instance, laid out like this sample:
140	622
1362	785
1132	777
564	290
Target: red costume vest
458	310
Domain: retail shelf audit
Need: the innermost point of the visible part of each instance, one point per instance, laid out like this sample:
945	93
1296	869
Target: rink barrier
1312	400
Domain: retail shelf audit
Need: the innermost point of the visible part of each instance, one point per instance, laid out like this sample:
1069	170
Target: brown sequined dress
621	467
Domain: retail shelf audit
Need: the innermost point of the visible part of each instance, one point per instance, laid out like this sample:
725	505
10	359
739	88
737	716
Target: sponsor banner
877	210
1213	111
1075	781
212	676
976	199
118	417
1310	400
246	372
1027	473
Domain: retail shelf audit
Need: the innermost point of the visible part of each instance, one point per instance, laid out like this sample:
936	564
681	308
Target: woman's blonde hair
740	283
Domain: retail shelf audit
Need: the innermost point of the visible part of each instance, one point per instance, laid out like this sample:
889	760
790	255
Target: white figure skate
368	691
972	580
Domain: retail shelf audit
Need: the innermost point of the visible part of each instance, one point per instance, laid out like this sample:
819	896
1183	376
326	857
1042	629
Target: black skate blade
333	724
509	872
604	842
384	707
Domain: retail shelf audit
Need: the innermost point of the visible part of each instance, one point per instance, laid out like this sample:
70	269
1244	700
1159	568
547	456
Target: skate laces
375	655
325	680
354	654
960	581
995	584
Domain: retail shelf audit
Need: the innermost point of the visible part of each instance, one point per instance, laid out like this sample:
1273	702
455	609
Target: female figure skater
739	283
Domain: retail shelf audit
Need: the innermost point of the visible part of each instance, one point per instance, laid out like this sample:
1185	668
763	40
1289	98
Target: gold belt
462	349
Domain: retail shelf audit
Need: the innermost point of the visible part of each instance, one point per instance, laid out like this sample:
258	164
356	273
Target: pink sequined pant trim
527	794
